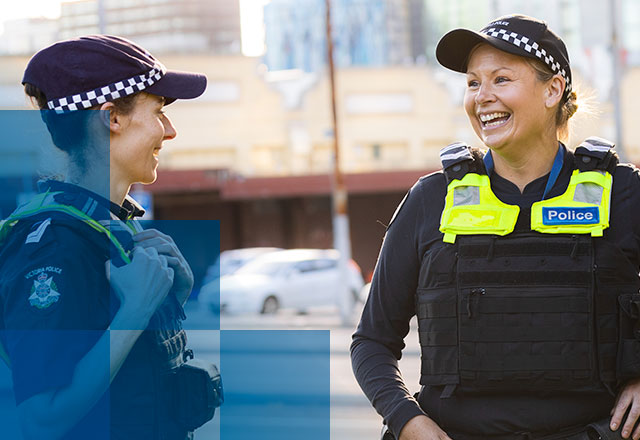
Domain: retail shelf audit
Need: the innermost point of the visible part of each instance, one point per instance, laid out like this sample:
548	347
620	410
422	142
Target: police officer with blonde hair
520	262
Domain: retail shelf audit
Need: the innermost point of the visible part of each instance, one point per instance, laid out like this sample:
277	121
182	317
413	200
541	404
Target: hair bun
571	104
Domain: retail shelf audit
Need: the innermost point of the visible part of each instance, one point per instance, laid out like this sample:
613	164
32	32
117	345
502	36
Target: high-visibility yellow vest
471	208
582	209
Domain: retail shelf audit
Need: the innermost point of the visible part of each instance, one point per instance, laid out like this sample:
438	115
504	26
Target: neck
118	189
526	166
119	181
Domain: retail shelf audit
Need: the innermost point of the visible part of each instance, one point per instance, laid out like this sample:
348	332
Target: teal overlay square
276	384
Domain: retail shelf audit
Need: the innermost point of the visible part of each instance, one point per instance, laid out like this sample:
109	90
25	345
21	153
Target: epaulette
596	154
459	159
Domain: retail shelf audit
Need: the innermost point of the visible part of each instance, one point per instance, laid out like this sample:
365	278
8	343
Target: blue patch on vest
570	216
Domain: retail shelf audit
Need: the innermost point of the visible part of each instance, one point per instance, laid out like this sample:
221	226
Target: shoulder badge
44	291
36	235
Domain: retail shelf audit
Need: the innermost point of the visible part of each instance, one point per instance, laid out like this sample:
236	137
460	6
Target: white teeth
489	117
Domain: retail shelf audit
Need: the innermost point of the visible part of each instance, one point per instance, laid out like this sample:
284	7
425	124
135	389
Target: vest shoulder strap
45	203
596	154
459	158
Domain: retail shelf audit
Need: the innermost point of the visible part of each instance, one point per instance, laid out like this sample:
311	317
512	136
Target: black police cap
516	34
83	72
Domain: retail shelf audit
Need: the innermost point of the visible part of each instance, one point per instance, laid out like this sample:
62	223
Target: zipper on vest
474	292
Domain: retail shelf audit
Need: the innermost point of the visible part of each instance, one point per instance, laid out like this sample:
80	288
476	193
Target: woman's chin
149	179
494	141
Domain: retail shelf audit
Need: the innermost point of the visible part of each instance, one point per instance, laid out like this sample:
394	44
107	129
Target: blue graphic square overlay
26	152
9	422
199	243
43	361
276	384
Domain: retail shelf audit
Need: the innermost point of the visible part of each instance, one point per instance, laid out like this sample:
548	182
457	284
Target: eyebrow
492	72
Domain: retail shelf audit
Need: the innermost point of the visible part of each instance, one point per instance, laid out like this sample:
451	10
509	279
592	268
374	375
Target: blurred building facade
191	26
161	26
27	35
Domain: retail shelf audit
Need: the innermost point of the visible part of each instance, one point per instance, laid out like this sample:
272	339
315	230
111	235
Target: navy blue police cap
83	72
516	34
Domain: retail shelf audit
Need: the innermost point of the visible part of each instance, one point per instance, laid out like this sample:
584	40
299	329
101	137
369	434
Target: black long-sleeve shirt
379	339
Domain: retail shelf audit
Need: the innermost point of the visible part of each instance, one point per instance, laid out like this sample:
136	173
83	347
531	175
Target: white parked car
300	279
231	260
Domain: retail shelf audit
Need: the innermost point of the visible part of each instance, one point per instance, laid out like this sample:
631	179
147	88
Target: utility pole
341	239
617	79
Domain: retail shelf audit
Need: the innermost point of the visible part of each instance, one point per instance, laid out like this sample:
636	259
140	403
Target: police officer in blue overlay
521	264
73	263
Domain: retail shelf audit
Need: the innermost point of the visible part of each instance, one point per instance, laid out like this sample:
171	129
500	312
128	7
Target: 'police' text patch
570	216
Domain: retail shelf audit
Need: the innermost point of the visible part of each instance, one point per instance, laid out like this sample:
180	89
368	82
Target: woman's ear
554	91
110	117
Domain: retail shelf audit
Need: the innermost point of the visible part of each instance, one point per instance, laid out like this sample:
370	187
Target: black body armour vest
527	312
143	394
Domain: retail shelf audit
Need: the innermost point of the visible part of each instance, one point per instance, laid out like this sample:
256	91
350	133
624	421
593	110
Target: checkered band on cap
108	92
533	48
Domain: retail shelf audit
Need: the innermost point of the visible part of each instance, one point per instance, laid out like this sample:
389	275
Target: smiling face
135	147
509	108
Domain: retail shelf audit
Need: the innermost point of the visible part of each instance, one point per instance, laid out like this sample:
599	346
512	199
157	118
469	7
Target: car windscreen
230	265
270	268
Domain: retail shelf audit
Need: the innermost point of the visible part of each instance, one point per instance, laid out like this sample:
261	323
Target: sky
250	12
